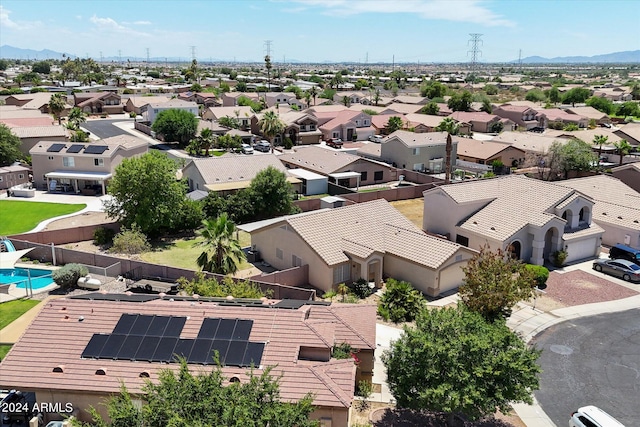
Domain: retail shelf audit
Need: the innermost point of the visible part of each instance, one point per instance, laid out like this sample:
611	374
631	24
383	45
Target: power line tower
475	41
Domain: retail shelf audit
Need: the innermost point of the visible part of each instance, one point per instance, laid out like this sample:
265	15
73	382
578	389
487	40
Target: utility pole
147	49
101	57
475	51
267	61
120	57
520	59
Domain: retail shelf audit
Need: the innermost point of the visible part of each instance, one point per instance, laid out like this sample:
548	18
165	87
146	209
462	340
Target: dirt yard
412	209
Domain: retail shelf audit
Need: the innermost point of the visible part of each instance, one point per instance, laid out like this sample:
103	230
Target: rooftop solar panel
200	352
158	325
182	349
174	328
208	328
95	345
221	346
116	297
235	353
124	324
112	346
75	148
95	149
141	325
164	350
147	348
129	347
55	148
225	330
242	330
253	354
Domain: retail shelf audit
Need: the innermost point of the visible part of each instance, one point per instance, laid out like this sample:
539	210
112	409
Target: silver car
621	268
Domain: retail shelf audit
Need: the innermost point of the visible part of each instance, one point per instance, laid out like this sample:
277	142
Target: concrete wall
295	276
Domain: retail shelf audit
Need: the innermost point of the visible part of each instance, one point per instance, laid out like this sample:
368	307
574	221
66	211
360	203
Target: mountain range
11	52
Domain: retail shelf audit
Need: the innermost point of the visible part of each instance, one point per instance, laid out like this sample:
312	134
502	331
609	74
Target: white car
246	149
375	138
592	416
263	146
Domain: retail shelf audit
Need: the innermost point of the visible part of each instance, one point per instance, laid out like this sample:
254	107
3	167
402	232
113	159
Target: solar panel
221	346
147	348
182	349
75	148
55	148
200	352
95	345
253	354
242	330
225	330
235	353
208	328
158	325
95	149
164	350
129	347
125	323
112	346
141	325
174	328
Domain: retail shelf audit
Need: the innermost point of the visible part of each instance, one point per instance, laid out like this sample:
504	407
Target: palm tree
222	254
600	140
448	125
376	97
394	124
76	117
270	126
307	98
57	104
343	289
207	139
313	92
346	101
623	148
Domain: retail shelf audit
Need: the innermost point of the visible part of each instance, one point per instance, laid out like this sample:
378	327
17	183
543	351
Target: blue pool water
20	276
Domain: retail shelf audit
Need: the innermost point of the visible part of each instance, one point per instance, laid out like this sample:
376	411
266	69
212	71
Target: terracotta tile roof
425	119
403	108
528	141
139	101
361	107
14	112
318	159
467	117
427	139
230	168
243	112
370	150
481	149
34	100
380	120
40	131
586	135
342	118
409	99
28	121
30	362
588	112
554	114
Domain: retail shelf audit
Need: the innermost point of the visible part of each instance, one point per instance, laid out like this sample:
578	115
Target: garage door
581	249
451	277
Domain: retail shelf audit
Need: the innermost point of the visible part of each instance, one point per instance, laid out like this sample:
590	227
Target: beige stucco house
532	219
423	152
369	240
523	116
487	152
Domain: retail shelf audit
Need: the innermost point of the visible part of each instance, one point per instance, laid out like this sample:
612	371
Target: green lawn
11	310
4	349
182	253
20	217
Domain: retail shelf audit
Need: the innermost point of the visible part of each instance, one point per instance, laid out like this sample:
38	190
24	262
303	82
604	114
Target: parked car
592	416
620	251
621	268
375	138
263	146
537	129
247	149
334	142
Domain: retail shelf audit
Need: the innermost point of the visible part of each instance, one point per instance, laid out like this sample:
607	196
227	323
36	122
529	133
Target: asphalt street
104	128
591	361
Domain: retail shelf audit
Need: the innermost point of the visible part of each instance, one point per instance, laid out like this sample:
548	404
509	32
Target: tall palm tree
448	125
207	140
57	104
307	98
222	254
270	126
600	140
623	148
77	117
314	92
346	101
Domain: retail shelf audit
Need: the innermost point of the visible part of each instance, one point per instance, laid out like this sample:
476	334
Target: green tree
42	67
431	109
576	95
270	125
554	95
313	91
494	282
204	141
222	253
574	155
491	89
629	108
9	146
400	302
393	124
448	125
57	104
145	192
454	361
535	95
635	91
433	89
460	101
271	194
182	398
601	104
623	148
376	97
176	125
486	106
241	86
76	118
229	122
346	101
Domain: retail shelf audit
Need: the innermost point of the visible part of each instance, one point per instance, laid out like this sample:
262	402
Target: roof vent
58	369
493	228
604	213
619	217
144	374
101	371
234	380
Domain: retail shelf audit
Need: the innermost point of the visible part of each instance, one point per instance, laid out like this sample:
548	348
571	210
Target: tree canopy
460	102
176	125
9	146
448	125
574	155
146	193
222	253
57	104
576	95
456	362
601	104
181	398
494	282
270	125
393	124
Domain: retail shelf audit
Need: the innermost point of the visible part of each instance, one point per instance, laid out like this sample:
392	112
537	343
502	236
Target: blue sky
323	30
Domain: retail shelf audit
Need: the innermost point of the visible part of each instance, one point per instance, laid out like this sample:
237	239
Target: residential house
400	108
423	152
487	152
557	117
229	173
615	94
150	111
379	123
82	167
524	117
363	107
629	174
444	110
230	99
423	122
11	176
367	241
294	337
135	104
531	143
346	124
346	170
362	98
31	101
288	98
13	116
242	114
207	99
616	208
591	113
32	135
411	99
529	218
630	132
301	128
482	122
98	102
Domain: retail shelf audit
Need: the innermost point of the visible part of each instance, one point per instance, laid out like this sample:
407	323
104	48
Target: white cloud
79	17
137	23
6	22
459	11
110	25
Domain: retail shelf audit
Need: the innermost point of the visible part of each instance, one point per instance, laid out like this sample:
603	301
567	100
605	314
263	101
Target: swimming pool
20	276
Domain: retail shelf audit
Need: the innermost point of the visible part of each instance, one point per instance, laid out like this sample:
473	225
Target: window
295	261
68	162
341	273
416	151
98	162
366	122
278	253
462	240
377	176
20	176
363	176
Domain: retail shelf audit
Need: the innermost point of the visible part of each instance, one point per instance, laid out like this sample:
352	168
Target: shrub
130	242
103	236
541	274
67	276
361	288
133	115
559	257
330	294
364	389
288	144
210	287
400	302
341	351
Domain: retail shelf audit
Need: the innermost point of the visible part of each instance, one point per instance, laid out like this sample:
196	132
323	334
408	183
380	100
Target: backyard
10	311
412	209
20	217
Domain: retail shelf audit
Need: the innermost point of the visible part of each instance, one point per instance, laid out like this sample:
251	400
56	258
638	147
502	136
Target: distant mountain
609	58
11	52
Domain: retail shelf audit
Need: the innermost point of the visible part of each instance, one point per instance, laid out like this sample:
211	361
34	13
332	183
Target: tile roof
42	120
469	116
630	129
234	168
527	141
243	111
173	103
404	108
427	139
372	149
380	120
318	159
425	119
409	99
342	118
139	101
588	112
554	114
586	135
40	131
481	149
30	362
114	143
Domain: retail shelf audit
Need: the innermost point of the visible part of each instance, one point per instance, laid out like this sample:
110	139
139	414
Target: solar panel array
75	148
55	148
157	339
95	149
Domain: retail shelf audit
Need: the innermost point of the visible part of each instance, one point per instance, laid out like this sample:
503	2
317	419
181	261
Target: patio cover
97	176
9	259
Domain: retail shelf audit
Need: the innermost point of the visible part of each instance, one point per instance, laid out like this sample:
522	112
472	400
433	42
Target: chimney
447	163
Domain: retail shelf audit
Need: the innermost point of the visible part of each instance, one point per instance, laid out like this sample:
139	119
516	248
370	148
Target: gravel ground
87	218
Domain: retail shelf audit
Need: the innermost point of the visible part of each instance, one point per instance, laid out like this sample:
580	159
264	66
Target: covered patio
87	183
344	179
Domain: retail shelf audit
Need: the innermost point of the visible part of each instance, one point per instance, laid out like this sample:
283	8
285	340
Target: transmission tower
475	41
193	52
147	49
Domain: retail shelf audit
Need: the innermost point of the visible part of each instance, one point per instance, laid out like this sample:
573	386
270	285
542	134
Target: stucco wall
420	277
613	234
441	213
